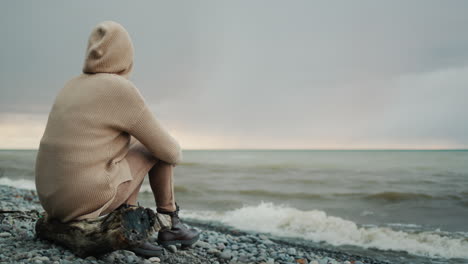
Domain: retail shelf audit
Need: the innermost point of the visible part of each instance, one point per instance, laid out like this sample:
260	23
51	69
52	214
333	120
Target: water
399	201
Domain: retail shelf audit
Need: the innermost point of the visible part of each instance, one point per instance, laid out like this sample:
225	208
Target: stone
129	259
154	259
203	244
291	251
221	246
41	258
225	255
172	248
302	261
5	234
110	258
213	251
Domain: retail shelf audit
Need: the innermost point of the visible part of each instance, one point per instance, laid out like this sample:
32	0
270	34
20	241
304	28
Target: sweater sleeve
148	130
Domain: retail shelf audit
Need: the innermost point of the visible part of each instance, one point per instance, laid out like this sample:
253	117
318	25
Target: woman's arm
155	137
133	116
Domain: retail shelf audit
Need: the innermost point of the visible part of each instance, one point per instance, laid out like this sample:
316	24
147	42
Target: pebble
221	246
203	244
5	234
154	259
172	248
213	251
291	251
225	255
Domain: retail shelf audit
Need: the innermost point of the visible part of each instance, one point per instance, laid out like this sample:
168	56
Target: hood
110	50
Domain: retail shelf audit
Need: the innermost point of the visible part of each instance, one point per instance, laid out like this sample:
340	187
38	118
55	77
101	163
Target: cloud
263	74
21	131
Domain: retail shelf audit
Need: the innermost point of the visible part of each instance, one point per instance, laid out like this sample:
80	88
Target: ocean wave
177	188
408	196
380	196
16	171
317	226
275	194
18	183
302	181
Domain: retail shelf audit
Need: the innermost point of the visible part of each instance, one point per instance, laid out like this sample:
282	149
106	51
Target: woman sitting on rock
100	141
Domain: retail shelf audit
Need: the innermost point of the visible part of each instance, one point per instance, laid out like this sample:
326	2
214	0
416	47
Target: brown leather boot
179	233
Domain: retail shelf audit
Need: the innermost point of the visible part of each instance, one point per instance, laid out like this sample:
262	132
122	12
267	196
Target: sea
410	206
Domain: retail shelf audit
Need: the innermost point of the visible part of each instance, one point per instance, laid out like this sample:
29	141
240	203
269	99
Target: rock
110	258
225	255
172	248
41	258
5	234
291	251
154	259
203	244
267	242
324	261
314	262
243	258
246	239
302	261
221	246
213	251
130	259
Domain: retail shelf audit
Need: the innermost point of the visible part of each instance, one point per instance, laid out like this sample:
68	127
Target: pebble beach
19	210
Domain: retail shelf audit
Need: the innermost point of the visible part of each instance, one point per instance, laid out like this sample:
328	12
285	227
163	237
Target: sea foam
317	226
19	183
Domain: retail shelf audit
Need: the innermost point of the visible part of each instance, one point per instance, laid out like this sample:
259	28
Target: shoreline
218	244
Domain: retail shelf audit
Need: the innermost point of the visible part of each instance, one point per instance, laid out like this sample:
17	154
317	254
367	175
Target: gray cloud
262	73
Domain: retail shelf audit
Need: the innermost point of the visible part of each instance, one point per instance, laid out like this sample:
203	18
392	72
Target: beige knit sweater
81	157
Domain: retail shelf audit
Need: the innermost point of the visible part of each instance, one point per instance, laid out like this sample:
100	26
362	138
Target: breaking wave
19	183
317	226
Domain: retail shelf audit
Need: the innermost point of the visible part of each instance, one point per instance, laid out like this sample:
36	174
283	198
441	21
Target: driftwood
124	228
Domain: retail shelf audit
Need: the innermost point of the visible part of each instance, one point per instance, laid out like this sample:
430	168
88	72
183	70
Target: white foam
318	226
19	183
403	225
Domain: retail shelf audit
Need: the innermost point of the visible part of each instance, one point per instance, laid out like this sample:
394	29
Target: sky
256	74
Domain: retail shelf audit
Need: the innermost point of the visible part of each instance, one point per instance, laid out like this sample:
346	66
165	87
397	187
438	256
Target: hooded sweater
81	157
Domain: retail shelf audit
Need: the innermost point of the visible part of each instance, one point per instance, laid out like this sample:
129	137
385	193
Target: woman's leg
140	161
162	185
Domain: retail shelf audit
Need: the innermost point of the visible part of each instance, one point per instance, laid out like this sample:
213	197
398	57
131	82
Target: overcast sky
256	74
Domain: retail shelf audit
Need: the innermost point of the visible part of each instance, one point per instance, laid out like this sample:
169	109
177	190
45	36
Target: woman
101	139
